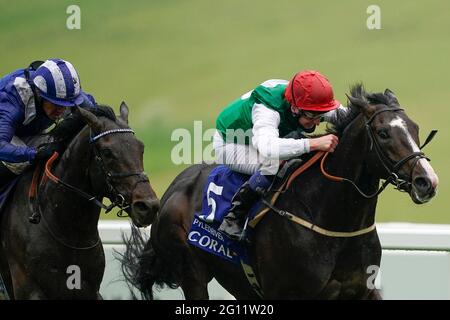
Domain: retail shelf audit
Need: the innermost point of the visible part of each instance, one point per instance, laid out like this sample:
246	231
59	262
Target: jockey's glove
45	151
296	134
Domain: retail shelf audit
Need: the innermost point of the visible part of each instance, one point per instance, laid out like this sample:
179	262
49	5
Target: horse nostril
423	184
143	207
140	206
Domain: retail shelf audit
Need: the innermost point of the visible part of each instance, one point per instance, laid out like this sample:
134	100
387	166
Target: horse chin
135	219
140	225
138	221
418	199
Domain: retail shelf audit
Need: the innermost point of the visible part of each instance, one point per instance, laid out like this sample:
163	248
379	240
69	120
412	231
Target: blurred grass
178	61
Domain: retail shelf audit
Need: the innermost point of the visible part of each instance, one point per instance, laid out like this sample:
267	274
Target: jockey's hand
326	143
296	134
45	151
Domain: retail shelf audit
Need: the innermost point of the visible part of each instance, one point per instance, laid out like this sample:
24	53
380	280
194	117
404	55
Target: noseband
391	167
119	200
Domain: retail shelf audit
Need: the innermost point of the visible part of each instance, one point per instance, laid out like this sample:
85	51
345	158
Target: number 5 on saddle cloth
219	189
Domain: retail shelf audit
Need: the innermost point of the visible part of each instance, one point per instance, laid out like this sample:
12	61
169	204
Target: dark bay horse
102	159
377	141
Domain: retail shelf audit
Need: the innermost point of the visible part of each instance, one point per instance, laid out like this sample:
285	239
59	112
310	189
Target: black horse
327	259
102	159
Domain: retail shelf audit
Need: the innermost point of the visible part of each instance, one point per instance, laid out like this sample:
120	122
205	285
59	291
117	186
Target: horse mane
71	126
343	119
104	111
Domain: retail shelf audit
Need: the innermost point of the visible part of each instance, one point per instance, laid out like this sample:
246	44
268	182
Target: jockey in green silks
254	133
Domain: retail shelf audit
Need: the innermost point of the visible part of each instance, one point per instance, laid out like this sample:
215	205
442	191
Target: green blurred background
177	61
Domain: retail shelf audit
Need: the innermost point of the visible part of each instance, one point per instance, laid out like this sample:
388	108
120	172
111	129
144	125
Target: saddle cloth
221	185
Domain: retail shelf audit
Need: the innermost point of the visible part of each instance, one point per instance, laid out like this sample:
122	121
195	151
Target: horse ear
390	94
363	105
90	119
357	102
124	112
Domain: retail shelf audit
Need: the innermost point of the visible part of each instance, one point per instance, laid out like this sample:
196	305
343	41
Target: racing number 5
212	188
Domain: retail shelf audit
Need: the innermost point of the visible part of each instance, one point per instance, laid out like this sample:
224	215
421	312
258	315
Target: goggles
308	115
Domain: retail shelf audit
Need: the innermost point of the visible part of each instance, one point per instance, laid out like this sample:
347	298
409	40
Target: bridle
118	199
111	176
391	167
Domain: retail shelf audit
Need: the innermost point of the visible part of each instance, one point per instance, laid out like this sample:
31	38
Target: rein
119	201
81	193
292	217
38	214
110	176
386	162
390	166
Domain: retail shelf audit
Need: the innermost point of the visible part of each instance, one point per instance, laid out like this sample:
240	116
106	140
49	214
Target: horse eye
383	134
107	153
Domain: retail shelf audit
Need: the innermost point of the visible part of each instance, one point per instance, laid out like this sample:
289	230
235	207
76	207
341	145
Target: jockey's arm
10	118
333	115
266	137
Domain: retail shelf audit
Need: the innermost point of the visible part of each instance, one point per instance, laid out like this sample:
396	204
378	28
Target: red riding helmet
311	91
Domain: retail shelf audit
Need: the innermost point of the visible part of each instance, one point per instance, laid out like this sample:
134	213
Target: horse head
118	165
394	150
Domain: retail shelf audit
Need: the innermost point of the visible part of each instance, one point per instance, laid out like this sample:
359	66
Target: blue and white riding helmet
58	82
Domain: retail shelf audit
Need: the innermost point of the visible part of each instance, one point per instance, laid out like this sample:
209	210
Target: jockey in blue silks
31	101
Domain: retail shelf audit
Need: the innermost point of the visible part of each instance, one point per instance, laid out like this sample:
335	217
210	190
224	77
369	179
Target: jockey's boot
234	222
5	175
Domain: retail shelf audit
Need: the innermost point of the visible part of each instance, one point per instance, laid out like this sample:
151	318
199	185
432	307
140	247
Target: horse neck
73	214
338	204
348	159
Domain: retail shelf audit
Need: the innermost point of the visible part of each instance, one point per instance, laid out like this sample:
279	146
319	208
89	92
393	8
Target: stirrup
236	235
35	218
243	237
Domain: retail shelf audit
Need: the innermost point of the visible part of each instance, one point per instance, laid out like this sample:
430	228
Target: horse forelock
101	111
343	120
358	91
71	128
105	111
